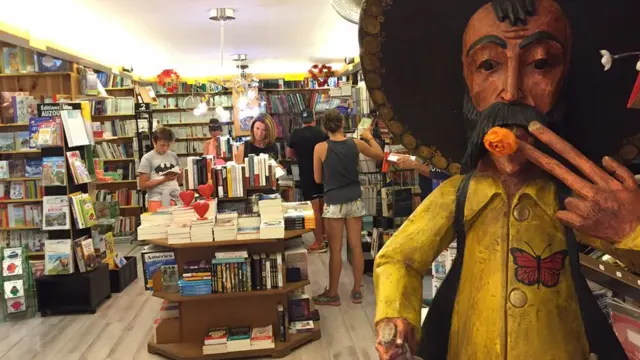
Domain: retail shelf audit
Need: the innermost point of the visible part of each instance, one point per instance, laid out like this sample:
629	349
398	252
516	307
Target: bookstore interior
224	252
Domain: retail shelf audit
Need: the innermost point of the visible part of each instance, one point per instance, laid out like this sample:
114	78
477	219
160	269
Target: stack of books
213	209
271	217
202	230
179	233
248	226
182	215
226	227
155	225
298	216
216	341
262	338
196	279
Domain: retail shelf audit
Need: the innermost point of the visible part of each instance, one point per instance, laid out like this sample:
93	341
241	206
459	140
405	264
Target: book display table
182	337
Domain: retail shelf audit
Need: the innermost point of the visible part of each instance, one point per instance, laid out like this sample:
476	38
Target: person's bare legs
318	245
354	241
335	231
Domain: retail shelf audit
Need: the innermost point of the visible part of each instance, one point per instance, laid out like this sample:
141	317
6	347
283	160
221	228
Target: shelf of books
256	281
46	166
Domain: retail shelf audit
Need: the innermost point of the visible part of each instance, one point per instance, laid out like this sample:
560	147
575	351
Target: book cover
54	171
216	336
6	105
33	168
4	169
17	168
11	60
7	142
78	167
34	128
55	213
22	140
153	262
58	257
23	108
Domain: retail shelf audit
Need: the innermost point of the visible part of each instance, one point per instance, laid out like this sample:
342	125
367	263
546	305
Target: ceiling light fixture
239	57
222	15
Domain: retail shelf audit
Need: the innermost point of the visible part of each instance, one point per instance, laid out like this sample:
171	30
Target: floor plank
122	326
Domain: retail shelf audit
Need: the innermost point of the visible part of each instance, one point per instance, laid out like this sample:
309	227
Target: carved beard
505	115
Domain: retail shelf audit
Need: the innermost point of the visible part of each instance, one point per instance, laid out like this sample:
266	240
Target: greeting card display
11	267
13	289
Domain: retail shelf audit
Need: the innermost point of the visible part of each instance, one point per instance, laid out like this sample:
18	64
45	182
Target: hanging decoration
169	80
321	74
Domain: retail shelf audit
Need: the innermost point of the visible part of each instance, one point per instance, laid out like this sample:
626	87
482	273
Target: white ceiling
279	36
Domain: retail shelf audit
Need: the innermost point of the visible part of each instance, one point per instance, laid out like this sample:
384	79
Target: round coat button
521	212
518	298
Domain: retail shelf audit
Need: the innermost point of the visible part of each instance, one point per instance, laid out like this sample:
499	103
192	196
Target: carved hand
608	207
393	334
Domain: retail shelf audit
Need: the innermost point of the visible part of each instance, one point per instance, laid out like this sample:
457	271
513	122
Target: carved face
522	64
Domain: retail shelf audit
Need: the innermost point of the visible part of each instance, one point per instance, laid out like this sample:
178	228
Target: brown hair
270	125
332	121
163	133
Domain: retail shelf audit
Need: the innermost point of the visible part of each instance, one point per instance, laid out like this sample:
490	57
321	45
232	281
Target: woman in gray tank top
335	164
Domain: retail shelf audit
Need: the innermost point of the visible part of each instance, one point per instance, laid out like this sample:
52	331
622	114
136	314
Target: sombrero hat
411	53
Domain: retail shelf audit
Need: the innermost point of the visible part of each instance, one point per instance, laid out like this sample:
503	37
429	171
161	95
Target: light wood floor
122	326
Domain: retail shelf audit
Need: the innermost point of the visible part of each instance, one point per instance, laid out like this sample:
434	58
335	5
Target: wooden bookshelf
110	116
115	139
288	235
189	351
176	297
19	152
17	201
182	338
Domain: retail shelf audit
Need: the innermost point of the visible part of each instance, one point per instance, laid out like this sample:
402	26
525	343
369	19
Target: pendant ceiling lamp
221	15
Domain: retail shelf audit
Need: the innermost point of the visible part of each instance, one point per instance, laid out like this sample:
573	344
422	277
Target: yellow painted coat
495	316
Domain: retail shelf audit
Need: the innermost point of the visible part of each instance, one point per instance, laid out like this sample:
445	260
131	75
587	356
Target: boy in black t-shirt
300	146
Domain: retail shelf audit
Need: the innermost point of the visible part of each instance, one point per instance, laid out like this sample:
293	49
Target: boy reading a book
160	172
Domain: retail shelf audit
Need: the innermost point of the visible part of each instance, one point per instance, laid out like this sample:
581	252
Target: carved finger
570	219
566	150
578	206
624	175
555	168
402	332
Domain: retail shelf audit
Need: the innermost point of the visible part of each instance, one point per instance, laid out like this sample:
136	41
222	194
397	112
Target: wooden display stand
183	338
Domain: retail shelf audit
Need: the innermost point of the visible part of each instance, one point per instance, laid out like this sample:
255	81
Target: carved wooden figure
518	211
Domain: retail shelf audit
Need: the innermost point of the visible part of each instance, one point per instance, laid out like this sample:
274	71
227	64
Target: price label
601	267
143	107
618	274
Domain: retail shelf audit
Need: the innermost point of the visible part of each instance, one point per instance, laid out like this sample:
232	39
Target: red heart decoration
187	197
206	190
201	207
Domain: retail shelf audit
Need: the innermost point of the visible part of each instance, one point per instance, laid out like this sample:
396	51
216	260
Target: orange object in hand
501	141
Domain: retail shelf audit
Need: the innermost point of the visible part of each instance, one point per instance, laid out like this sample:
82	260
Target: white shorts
343	211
